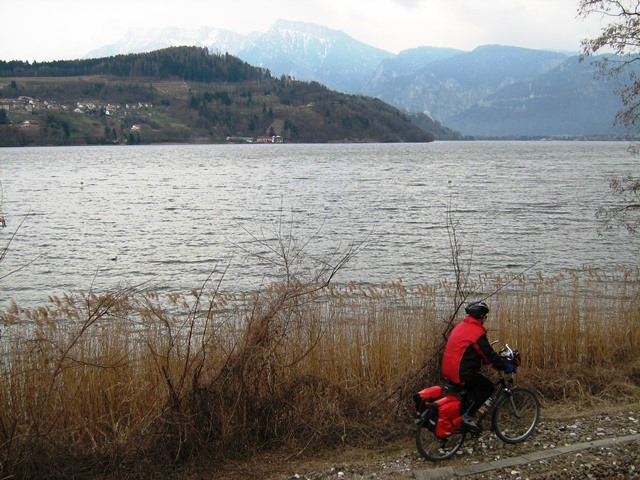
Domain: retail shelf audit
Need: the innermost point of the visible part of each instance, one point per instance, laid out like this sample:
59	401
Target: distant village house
269	139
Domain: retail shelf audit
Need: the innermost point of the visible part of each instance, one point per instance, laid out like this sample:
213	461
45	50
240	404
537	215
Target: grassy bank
132	385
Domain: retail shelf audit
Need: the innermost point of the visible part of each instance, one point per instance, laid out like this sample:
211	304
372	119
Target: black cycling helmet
477	309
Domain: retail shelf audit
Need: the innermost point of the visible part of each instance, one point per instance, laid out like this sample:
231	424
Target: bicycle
515	412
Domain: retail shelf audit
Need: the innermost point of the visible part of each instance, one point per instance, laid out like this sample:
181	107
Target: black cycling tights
479	388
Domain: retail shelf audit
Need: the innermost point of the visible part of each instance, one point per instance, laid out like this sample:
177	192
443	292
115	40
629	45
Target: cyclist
467	349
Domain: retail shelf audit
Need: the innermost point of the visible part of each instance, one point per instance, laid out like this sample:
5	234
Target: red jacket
467	349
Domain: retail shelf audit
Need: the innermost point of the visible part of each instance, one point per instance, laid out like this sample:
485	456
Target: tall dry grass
130	384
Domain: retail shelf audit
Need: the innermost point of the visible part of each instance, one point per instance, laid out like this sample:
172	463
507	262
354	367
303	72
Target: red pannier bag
449	418
424	397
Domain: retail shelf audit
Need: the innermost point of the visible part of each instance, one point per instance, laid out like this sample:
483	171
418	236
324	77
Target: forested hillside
191	64
185	95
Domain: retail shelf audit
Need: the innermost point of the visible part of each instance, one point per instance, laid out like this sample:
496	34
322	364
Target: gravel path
401	461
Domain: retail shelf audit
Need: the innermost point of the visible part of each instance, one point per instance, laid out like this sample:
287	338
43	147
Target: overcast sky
67	29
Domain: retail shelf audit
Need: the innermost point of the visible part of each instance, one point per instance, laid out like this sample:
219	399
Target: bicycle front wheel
516	415
433	448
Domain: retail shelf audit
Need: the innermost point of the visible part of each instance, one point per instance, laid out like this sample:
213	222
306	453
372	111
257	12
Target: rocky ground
559	426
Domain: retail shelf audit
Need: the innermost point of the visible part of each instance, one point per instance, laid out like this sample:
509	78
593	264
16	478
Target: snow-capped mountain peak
149	39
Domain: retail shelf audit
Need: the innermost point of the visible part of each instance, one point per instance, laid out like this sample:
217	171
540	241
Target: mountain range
493	90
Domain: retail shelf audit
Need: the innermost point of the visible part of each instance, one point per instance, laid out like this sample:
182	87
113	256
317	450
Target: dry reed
128	384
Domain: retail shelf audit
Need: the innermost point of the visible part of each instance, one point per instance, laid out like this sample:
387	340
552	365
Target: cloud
409	4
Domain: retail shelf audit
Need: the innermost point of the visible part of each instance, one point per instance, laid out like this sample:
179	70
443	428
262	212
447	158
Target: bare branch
621	34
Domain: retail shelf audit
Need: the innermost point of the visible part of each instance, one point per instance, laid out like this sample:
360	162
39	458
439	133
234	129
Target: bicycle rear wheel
433	448
515	416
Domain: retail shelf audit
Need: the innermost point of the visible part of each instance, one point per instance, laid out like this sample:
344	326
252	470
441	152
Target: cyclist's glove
510	368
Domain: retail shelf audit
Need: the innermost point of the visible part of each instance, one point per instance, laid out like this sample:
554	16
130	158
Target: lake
166	217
